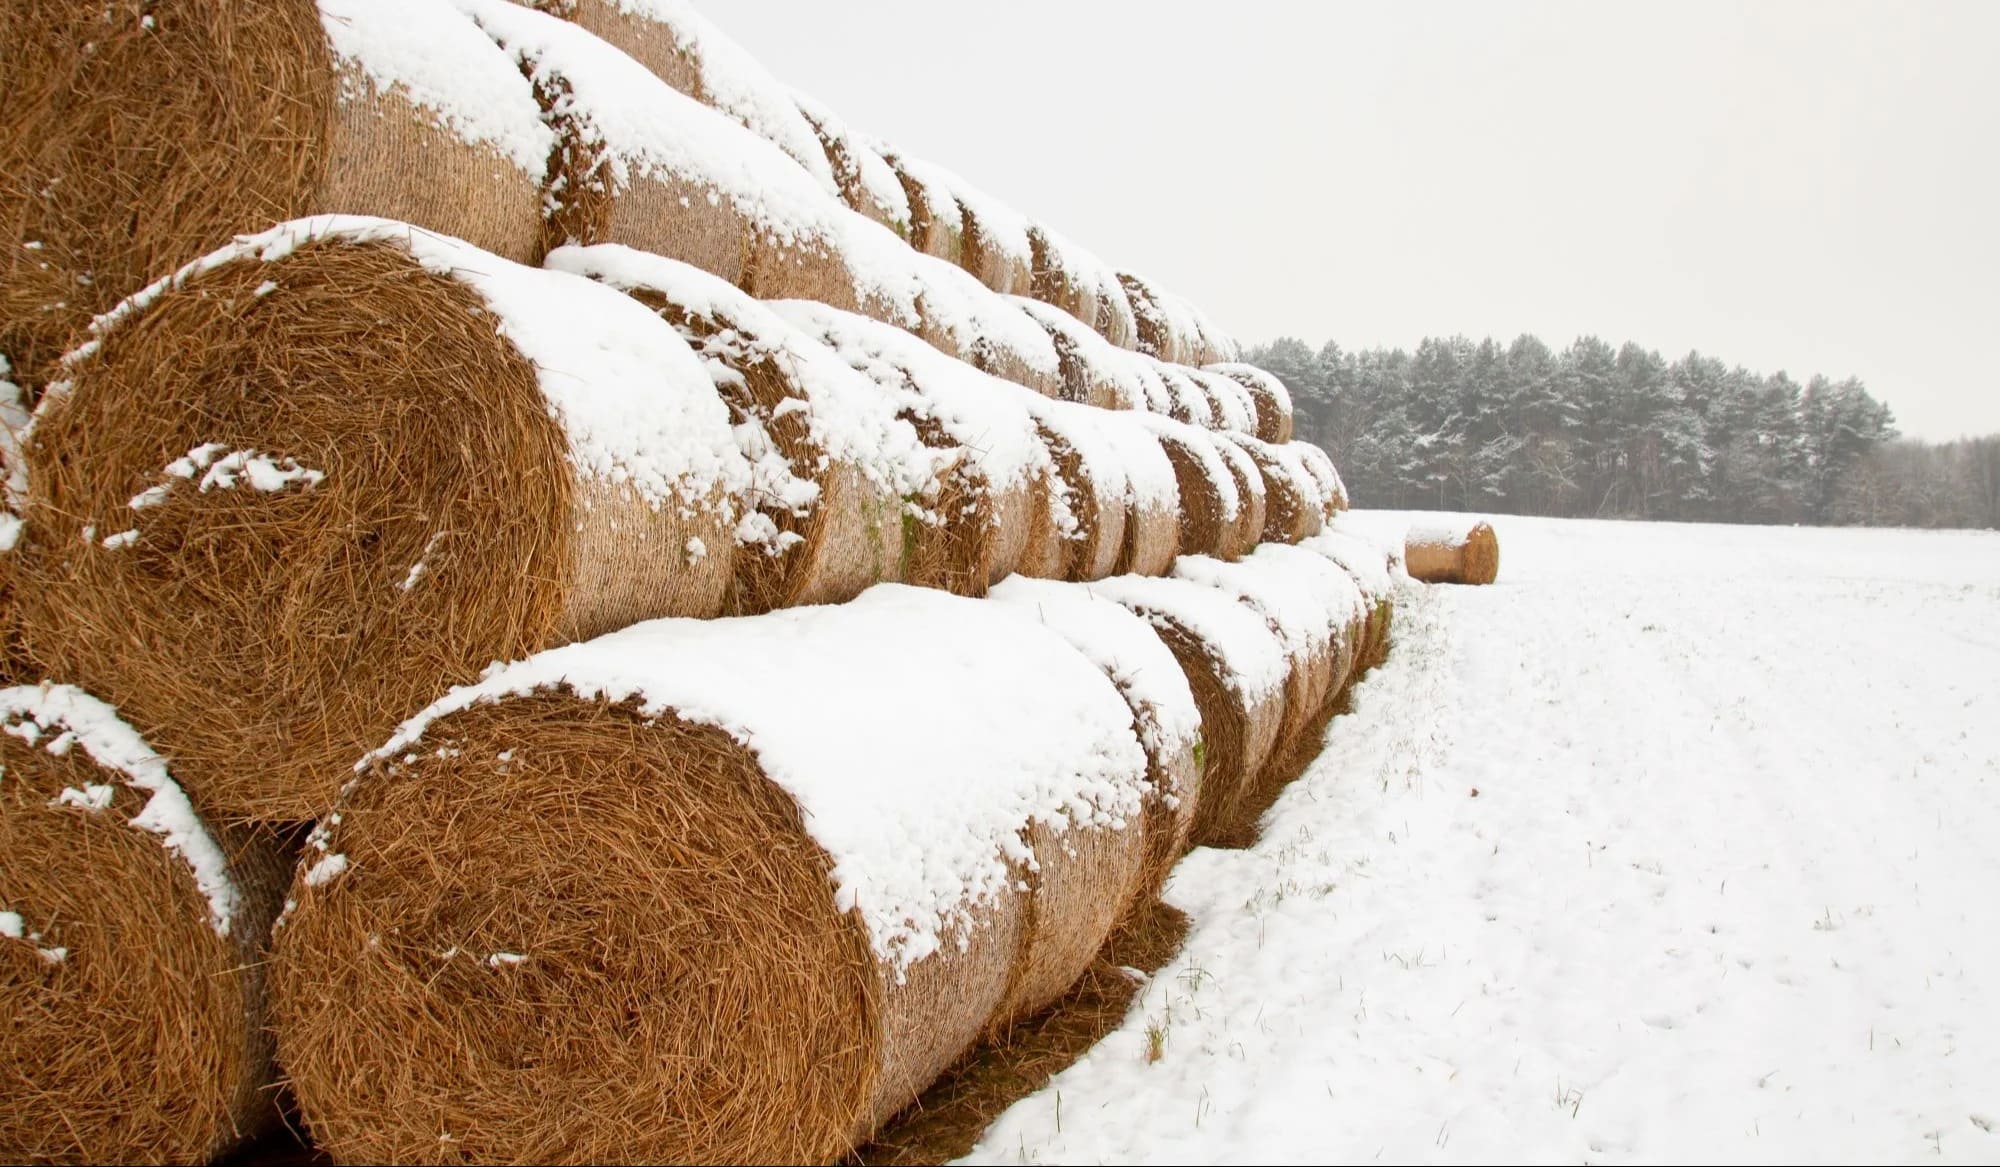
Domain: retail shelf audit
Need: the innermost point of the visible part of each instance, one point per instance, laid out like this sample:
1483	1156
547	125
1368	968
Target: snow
1148	474
991	418
1107	364
895	722
733	82
1189	398
1240	373
1375	562
850	419
13	468
1676	845
31	711
973	315
636	403
440	62
1288	463
1121	644
1278	590
1003	226
1234	409
871	172
1253	662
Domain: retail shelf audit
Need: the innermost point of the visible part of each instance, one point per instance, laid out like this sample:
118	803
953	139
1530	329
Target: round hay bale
1247	529
1093	372
1318	463
1235	410
1237	670
1348	610
135	144
997	250
1298	613
1215	346
1116	321
641	163
833	461
298	488
1167	330
1189	399
1211	505
1153	504
1448	551
1057	281
827	828
1093	497
682	48
1164	714
959	317
993	505
937	223
1272	401
1293	508
1374	570
868	184
132	948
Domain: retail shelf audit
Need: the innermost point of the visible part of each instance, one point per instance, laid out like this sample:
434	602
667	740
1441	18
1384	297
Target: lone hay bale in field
992	510
1164	713
300	487
1093	372
1443	551
132	948
1236	668
643	164
682	48
1273	401
833	462
1294	509
723	891
133	145
1211	505
868	184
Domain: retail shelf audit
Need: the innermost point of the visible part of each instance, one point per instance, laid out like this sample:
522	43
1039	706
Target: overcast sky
1802	186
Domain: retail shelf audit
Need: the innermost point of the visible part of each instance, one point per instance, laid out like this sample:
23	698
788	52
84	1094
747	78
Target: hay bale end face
1211	505
1243	534
1319	464
832	462
611	931
868	184
132	948
1153	506
1236	669
1090	496
1440	552
261	515
1294	507
167	136
1273	401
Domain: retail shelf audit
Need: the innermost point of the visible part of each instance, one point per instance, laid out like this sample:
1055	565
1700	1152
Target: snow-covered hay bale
997	248
641	163
1237	669
1092	497
1293	506
132	948
682	48
1247	529
1059	280
1272	400
832	460
1234	408
706	891
937	222
1288	604
1211	505
1374	569
1116	320
295	490
961	317
868	184
992	506
1447	552
1093	371
1189	401
1166	329
1318	463
1153	504
138	140
1164	713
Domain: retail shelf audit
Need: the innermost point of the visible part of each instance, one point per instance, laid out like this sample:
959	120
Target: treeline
1622	433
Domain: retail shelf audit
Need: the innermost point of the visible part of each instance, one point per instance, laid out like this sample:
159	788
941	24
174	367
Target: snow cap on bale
833	461
959	316
1273	400
1211	506
993	241
1294	508
1248	529
684	49
132	947
1235	409
868	184
1164	712
1190	401
1093	494
1168	329
1093	371
1237	669
937	223
167	135
298	487
644	164
830	838
1458	552
1072	279
1347	608
1318	463
993	505
1153	507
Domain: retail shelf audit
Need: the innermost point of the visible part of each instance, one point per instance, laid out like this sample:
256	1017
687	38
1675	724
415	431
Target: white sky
1802	186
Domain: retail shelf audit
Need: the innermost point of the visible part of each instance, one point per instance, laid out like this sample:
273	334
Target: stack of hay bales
283	493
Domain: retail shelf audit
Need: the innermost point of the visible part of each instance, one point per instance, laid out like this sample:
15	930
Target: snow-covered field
1678	843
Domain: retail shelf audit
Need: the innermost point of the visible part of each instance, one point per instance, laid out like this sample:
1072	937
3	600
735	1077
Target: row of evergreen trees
1598	431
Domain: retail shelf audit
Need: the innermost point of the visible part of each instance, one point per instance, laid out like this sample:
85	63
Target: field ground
1680	842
